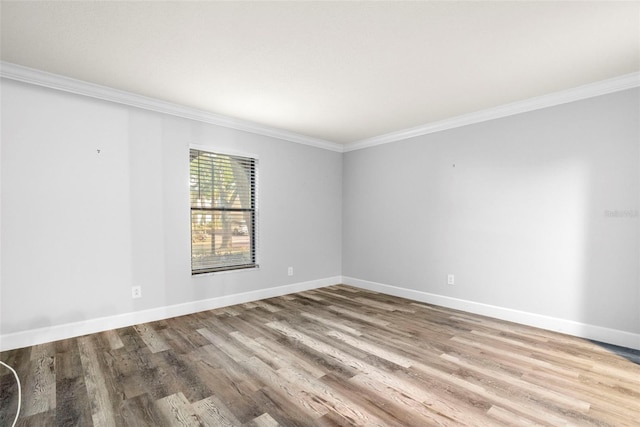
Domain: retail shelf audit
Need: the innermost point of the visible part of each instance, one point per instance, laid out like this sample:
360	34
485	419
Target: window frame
252	233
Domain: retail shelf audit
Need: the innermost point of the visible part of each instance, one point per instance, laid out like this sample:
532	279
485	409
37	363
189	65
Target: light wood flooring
331	356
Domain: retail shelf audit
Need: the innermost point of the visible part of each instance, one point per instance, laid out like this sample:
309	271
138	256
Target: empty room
319	213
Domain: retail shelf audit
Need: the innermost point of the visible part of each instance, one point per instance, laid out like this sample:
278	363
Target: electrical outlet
290	271
136	292
451	280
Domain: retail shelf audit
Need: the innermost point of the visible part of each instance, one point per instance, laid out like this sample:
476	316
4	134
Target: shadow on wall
543	214
610	293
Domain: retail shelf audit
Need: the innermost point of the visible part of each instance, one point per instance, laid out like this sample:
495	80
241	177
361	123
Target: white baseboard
70	330
90	326
570	327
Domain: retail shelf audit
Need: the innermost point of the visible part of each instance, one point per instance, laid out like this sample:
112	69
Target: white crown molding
616	84
91	326
578	329
54	81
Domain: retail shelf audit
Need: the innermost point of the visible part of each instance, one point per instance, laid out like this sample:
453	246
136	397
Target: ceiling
337	71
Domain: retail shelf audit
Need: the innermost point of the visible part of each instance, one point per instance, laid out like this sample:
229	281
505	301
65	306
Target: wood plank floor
332	356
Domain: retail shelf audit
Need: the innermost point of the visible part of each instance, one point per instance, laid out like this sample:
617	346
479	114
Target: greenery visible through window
223	212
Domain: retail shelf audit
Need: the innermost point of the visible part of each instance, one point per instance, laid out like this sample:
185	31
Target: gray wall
526	219
518	208
80	228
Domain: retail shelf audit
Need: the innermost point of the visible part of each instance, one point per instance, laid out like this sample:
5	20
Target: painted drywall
95	200
534	213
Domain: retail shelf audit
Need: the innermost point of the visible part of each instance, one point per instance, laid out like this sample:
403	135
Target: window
223	212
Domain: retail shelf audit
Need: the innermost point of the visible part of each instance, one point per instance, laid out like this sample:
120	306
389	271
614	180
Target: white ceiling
338	71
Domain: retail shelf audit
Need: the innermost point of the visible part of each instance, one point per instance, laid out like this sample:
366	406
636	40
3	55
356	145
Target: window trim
255	231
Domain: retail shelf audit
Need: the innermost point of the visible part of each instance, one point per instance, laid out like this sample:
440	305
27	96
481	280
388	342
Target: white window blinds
223	212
